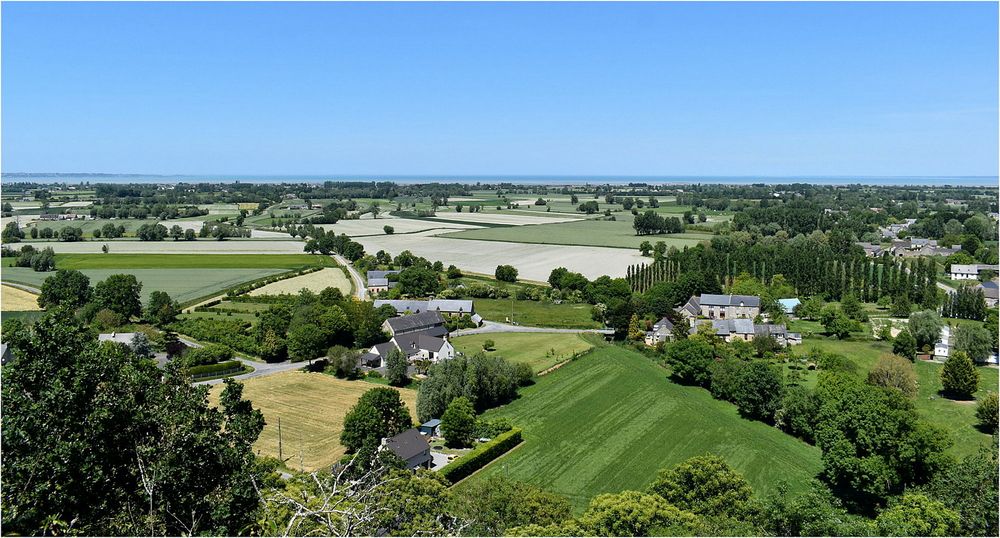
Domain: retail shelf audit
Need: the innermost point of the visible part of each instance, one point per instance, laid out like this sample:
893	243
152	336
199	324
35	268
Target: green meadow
538	313
540	350
610	420
190	261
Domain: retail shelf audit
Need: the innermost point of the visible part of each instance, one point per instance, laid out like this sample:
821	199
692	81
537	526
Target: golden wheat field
312	408
330	277
14	299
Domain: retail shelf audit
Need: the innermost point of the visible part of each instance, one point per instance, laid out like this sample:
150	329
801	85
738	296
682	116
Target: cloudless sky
877	89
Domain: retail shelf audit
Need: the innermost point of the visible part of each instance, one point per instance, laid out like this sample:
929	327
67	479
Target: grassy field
311	407
601	233
611	419
537	313
15	299
957	417
540	350
330	277
182	284
189	261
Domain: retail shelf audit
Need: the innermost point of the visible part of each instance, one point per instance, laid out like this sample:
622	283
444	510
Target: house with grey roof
746	330
662	332
713	306
379	281
413	323
989	290
451	307
411	447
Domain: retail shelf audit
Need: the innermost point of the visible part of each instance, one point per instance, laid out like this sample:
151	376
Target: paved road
494	327
360	290
946	288
260	369
28	289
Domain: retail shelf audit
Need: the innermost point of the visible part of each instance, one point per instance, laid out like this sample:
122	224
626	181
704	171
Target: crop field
601	233
89	225
957	417
503	217
538	313
15	299
610	420
362	227
182	284
311	407
540	350
533	261
204	246
189	261
330	277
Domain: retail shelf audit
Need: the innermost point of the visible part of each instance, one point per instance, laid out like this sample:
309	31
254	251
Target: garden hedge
209	370
478	457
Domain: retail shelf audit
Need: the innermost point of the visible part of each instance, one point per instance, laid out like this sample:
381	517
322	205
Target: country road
494	327
360	290
260	369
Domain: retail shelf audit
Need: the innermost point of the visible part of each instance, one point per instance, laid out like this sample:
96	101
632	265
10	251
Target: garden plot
533	261
311	407
317	281
15	299
362	227
204	246
501	218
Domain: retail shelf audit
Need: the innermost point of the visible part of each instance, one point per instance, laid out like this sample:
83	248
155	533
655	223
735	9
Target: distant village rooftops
444	306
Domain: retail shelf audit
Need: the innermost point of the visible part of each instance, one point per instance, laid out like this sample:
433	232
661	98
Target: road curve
360	290
260	369
494	327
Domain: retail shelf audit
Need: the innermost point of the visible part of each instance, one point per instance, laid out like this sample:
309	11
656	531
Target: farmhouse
411	447
870	249
424	321
452	307
379	281
731	330
721	307
662	331
968	271
990	293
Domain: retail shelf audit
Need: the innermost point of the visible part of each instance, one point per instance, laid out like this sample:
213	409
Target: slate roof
414	322
412	343
664	325
768	329
380	274
729	300
965	269
407	444
378	282
463	306
990	289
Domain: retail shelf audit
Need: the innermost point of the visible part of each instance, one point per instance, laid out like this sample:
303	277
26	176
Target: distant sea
978	181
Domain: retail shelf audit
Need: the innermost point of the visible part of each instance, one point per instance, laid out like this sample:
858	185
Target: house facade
411	447
746	330
662	331
712	306
448	307
378	281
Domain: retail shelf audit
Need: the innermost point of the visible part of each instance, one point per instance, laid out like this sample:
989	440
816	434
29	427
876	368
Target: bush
506	273
478	457
959	377
986	412
210	354
210	370
893	371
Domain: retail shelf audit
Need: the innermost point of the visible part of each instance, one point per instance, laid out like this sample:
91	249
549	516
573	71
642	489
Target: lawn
311	407
182	284
189	261
610	420
540	350
600	233
957	417
537	313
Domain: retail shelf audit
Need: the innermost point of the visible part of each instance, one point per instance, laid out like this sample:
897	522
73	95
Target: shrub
478	457
210	370
959	377
506	273
893	371
986	412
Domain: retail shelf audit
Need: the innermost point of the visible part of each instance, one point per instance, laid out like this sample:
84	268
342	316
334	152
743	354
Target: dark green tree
119	294
68	287
458	423
396	366
959	377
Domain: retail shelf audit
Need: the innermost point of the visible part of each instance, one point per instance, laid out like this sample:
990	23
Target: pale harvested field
75	204
501	218
201	246
533	261
268	234
15	299
361	227
329	277
312	408
465	199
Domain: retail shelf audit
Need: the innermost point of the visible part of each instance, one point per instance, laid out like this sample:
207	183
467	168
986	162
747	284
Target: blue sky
779	89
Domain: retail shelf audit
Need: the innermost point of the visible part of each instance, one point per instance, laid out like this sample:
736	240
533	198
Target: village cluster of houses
730	316
420	336
911	247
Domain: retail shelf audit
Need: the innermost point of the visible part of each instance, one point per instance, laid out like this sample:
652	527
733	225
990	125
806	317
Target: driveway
360	290
494	327
438	460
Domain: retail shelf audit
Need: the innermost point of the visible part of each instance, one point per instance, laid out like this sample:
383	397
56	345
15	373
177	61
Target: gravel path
494	327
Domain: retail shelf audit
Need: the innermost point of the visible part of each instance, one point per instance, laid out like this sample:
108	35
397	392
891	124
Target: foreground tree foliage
705	485
97	441
68	287
917	515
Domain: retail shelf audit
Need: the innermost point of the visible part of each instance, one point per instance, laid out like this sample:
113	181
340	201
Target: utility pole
279	440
